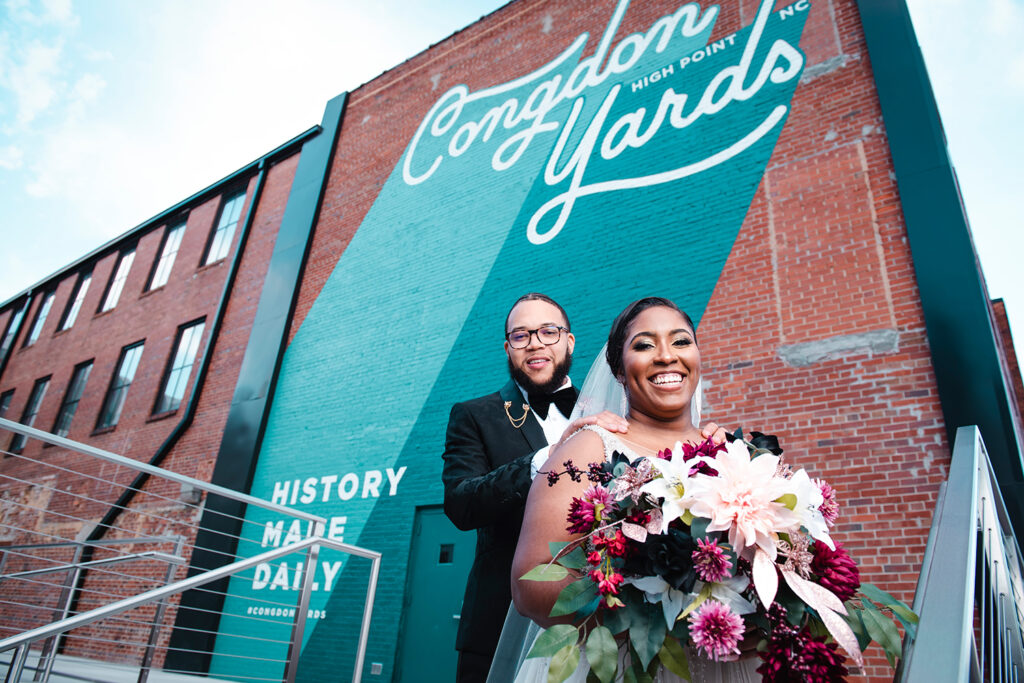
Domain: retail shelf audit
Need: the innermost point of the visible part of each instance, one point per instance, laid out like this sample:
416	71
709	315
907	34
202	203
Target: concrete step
69	669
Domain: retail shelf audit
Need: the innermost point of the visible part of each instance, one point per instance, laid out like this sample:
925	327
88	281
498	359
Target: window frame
114	386
33	405
7	342
170	229
5	402
170	368
35	330
85	366
122	255
226	199
75	301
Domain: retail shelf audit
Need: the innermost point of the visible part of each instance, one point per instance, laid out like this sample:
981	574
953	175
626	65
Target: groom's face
539	366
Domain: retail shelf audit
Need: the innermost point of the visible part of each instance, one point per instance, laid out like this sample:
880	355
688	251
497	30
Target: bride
652	353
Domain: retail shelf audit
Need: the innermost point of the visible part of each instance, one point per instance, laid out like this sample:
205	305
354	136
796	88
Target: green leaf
699	527
574	559
556	547
673	657
602	653
564	663
573	597
554	639
857	625
592	677
546	572
898	608
629	676
882	631
738	434
648	633
616	620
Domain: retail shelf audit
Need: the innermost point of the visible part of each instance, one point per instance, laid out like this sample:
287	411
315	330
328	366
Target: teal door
439	563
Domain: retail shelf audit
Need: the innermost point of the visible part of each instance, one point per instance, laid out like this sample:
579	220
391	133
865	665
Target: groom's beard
562	368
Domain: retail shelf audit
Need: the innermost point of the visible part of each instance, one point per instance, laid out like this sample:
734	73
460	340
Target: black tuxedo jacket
486	480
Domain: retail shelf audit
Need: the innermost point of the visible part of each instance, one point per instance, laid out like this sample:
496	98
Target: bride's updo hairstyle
617	336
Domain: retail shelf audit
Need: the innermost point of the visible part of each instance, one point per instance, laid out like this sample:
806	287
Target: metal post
17	664
364	632
51	656
301	610
158	617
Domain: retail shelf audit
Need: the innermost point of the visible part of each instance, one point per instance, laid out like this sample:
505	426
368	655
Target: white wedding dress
702	670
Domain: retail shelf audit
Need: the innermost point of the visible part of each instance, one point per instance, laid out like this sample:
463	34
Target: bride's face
661	363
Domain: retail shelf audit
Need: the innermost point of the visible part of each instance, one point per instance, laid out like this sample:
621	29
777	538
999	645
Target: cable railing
115	600
970	594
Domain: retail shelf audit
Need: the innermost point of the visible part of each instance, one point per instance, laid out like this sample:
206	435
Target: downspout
122	503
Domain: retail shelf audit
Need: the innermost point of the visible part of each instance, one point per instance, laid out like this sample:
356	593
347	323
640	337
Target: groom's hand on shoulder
610	421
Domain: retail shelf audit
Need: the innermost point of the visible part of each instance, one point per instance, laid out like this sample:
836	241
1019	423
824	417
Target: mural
595	180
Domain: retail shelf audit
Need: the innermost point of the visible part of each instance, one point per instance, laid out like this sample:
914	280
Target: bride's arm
545	521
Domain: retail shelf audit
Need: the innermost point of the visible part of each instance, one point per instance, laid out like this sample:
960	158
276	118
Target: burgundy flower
801	659
710	561
830	508
607	584
707	449
594	558
836	570
716	630
586	511
617	545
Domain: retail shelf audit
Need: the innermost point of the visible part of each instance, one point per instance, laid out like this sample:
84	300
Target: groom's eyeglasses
548	335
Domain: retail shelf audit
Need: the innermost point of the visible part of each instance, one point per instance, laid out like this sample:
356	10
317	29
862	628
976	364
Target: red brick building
777	170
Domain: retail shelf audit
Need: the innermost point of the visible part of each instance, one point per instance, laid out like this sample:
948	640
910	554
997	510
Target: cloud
32	76
11	157
43	12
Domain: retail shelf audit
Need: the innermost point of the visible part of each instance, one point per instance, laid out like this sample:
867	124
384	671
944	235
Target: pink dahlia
585	511
717	630
830	508
836	570
710	561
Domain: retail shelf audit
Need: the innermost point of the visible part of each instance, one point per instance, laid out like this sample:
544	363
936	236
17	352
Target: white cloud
44	12
11	157
1004	17
32	76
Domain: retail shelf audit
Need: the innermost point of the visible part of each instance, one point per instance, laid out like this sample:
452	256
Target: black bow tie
563	399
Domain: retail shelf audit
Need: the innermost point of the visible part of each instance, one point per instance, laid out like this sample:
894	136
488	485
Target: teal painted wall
620	175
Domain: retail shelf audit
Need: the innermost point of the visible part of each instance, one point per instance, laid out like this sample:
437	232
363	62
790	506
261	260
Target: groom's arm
474	494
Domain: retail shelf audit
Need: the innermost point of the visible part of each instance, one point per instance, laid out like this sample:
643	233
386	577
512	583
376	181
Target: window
40	320
119	383
220	243
5	401
71	398
28	417
124	264
75	303
180	367
12	329
162	270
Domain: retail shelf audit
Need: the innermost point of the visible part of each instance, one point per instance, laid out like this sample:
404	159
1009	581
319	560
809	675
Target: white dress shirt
553	425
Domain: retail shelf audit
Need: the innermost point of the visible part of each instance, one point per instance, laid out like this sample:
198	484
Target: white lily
808	500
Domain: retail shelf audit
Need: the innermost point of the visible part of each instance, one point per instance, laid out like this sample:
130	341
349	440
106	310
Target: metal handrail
115	459
970	515
154	554
311	544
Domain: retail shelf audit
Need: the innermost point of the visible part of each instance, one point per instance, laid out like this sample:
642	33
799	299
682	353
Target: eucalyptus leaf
648	634
629	676
546	572
574	559
563	663
592	677
602	653
556	547
881	630
573	597
616	620
553	639
699	527
673	657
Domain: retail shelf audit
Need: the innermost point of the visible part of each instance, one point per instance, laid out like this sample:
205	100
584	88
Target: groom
493	447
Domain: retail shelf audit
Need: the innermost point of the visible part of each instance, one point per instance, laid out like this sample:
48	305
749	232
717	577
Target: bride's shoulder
587	438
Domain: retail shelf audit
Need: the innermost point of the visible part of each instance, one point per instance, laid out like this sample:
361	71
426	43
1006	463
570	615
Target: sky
114	110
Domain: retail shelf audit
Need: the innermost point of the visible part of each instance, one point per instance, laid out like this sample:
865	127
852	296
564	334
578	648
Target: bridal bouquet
706	546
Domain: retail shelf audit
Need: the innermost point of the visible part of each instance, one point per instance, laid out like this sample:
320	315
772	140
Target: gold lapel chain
517	422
